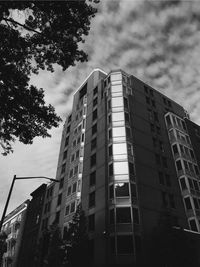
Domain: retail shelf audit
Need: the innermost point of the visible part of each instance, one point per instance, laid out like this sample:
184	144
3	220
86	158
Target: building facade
29	253
13	226
130	155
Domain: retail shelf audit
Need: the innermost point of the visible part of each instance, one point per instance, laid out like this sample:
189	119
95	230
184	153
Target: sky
157	41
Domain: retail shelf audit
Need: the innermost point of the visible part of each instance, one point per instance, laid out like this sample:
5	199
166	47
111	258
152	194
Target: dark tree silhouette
76	239
48	33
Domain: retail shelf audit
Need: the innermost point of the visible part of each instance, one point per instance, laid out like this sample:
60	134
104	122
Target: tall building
130	155
13	227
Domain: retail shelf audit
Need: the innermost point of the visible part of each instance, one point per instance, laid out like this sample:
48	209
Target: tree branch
23	25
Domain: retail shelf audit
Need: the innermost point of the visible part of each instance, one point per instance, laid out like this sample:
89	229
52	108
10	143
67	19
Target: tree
76	239
47	33
51	249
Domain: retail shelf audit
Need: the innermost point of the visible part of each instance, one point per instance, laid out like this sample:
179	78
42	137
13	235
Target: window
94	143
67	141
61	183
183	183
124	244
74	187
93	160
131	168
95	91
153	103
63	168
67	210
69	190
75	169
65	155
94	129
59	199
72	207
146	90
111	191
82	137
168	120
128	132
93	178
110	151
188	204
121	168
91	222
179	165
193	225
110	134
110	169
72	157
133	190
125	102
95	101
71	173
127	117
94	115
123	215
57	218
175	149
68	129
121	190
77	154
92	199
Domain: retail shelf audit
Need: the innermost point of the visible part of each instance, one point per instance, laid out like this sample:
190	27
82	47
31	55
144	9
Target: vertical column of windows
186	167
120	166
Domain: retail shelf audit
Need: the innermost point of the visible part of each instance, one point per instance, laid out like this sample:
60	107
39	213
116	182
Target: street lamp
11	188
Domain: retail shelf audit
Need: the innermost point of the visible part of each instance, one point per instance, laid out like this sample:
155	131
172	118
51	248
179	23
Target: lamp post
11	188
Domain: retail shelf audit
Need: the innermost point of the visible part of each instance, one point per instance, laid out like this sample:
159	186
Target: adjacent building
13	226
130	155
30	252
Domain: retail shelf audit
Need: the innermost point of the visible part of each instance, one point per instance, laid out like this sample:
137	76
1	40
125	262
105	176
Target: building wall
13	226
127	178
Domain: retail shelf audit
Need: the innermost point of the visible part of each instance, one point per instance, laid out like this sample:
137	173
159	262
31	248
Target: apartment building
130	155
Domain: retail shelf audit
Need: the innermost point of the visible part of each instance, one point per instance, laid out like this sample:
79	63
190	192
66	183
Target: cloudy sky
157	41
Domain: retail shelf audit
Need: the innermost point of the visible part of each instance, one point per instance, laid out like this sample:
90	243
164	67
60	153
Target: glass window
118	116
94	143
121	190
179	165
93	178
131	168
119	131
94	128
193	225
175	149
69	190
124	244
67	210
123	215
133	190
93	160
72	207
116	77
110	151
120	168
117	102
116	88
74	187
91	199
111	191
119	149
188	204
94	115
110	169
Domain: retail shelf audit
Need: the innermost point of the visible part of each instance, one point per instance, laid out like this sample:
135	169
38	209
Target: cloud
157	41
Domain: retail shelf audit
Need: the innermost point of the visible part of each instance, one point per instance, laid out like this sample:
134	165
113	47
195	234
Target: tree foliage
35	35
76	239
